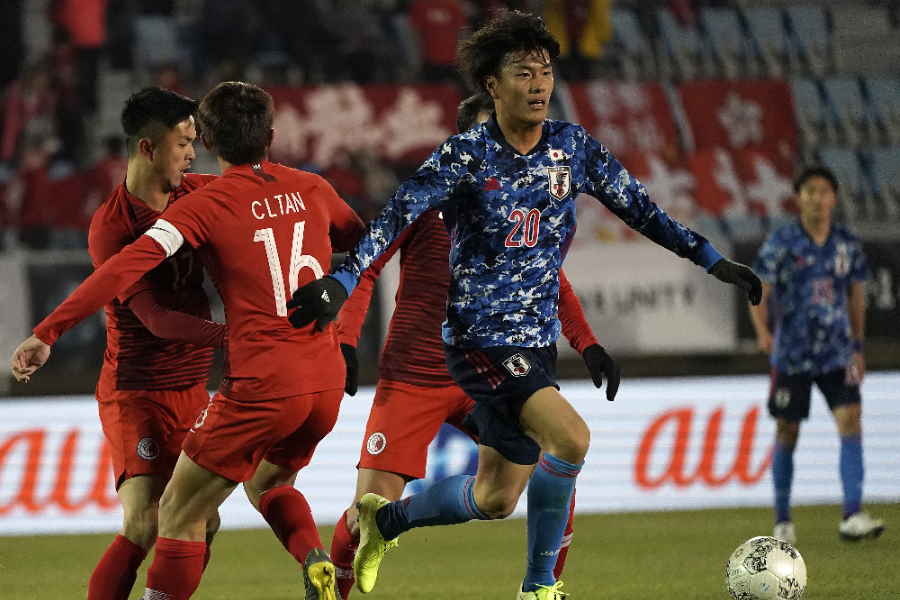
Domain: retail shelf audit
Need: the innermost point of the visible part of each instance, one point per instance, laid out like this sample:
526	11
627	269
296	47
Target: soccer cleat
859	526
319	576
544	592
372	545
784	531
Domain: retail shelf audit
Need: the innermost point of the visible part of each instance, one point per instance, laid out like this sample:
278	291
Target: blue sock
783	476
549	493
852	473
448	501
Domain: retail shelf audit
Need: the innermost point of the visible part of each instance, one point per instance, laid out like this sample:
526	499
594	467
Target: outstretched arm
608	181
171	324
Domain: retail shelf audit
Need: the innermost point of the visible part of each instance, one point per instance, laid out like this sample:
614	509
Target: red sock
343	548
566	541
114	575
176	569
287	512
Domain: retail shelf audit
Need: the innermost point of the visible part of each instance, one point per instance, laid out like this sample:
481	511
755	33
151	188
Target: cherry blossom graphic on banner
625	117
400	124
741	114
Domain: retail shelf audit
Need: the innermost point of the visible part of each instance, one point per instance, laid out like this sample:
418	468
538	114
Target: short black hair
468	109
153	111
482	54
236	121
815	171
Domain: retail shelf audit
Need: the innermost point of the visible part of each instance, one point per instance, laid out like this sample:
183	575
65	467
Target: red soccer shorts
231	437
145	428
403	421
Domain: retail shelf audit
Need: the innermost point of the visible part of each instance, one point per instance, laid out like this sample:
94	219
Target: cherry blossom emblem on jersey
560	181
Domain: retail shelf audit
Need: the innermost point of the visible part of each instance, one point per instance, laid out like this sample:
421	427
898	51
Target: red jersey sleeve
113	277
353	312
574	324
346	226
174	325
104	242
193	218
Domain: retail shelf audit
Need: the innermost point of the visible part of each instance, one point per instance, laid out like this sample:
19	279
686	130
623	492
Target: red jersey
135	359
414	351
263	230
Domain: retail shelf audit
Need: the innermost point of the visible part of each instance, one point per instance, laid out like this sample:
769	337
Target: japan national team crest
560	181
517	365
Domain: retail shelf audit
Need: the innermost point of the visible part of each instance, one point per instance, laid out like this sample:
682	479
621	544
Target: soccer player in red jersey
159	337
415	392
264	229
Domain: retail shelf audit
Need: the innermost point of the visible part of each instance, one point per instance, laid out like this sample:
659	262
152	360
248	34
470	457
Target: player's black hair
815	171
468	109
482	54
151	112
236	121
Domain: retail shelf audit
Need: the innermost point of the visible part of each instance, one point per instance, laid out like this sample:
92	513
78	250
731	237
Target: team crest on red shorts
147	448
517	365
376	443
560	181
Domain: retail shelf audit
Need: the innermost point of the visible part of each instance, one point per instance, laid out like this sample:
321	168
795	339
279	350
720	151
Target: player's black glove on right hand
739	275
318	301
601	364
352	363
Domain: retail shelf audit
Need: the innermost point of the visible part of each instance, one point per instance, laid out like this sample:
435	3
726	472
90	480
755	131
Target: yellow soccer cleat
544	592
372	545
319	576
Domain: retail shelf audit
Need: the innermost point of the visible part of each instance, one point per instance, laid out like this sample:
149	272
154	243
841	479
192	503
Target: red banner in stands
627	117
741	114
321	124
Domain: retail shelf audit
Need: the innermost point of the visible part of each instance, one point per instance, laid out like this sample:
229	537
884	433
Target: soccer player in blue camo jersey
813	274
507	190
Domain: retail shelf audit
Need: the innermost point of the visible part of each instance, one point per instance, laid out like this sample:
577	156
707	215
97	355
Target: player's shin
114	575
852	473
782	478
287	512
568	535
176	569
343	548
549	495
448	501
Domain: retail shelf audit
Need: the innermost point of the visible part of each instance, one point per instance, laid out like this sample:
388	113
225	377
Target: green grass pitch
639	556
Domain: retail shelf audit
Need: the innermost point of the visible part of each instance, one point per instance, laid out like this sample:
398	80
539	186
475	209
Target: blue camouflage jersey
810	289
511	218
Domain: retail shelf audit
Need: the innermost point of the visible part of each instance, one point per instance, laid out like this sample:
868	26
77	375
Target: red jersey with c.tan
264	230
135	359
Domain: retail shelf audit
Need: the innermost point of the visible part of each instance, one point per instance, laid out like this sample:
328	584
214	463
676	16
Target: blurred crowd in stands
55	168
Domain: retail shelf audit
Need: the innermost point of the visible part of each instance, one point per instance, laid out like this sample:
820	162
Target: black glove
352	362
599	363
739	275
318	301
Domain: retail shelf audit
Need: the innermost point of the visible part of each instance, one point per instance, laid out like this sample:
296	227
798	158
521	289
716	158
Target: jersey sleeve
353	312
171	324
104	242
608	181
346	226
112	278
766	263
574	324
432	185
190	220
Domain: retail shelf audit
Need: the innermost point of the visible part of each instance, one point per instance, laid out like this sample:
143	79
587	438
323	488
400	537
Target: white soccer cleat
784	531
860	526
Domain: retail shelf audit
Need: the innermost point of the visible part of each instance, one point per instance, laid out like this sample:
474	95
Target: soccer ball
765	568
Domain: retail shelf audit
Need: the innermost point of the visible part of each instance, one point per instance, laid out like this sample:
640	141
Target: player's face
816	199
522	91
174	153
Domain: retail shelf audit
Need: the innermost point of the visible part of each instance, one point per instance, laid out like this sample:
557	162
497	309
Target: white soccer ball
765	568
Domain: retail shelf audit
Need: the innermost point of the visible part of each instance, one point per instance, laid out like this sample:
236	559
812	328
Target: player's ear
146	147
490	86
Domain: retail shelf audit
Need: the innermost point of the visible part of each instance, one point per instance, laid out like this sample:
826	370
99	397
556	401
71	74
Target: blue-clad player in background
814	273
513	181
